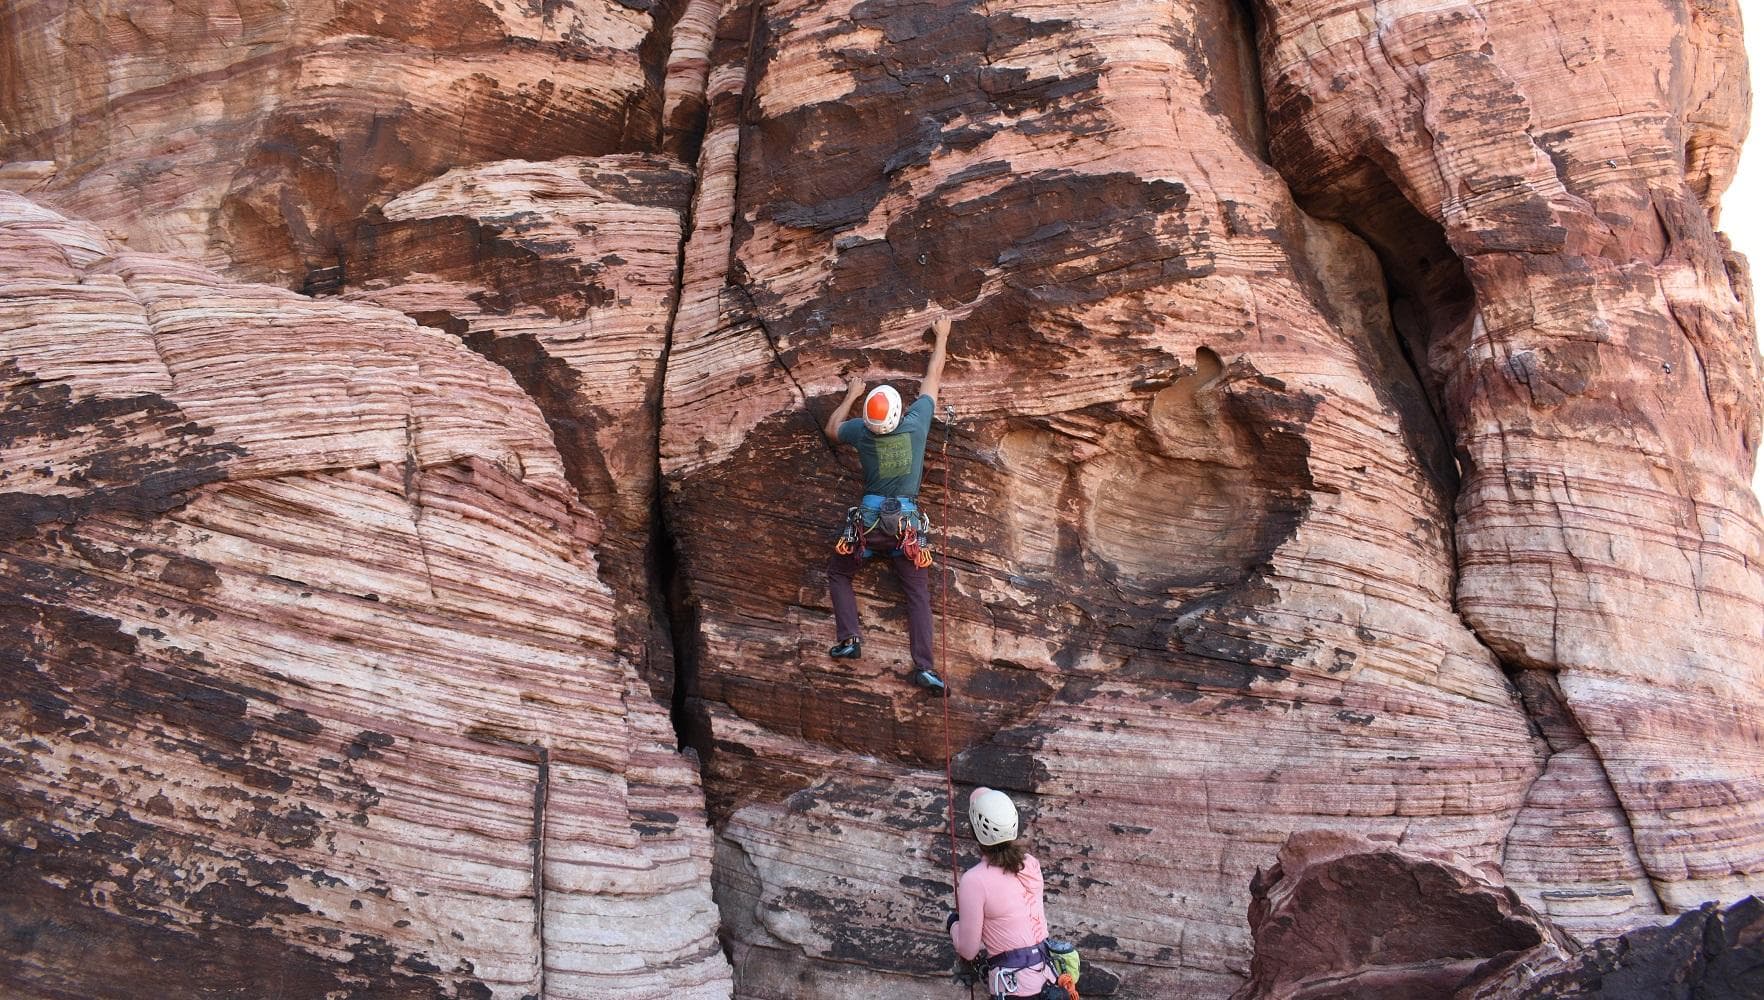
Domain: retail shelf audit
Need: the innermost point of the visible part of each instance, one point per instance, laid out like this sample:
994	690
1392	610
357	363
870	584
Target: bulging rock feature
309	665
1341	917
252	137
1336	917
1550	238
1346	428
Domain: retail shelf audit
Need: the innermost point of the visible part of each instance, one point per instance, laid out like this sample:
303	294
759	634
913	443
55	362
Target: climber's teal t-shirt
893	462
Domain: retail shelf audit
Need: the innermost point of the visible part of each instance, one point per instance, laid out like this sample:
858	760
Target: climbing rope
943	650
943	660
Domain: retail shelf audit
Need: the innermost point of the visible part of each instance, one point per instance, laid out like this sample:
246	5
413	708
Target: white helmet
993	815
882	410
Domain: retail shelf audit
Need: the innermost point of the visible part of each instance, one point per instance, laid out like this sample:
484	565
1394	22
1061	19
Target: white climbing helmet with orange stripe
993	815
882	410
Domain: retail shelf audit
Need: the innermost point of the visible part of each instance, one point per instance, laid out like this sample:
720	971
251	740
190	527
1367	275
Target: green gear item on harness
909	525
1065	957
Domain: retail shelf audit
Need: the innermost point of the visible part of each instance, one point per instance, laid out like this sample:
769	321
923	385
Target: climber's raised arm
934	370
854	387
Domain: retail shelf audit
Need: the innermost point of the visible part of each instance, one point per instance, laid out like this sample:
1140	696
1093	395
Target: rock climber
998	905
887	521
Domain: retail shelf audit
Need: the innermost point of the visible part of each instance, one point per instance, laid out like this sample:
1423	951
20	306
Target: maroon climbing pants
913	580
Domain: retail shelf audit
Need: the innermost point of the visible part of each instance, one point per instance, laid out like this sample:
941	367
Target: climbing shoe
927	679
848	649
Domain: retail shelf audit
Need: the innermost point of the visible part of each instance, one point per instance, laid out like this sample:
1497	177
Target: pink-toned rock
1542	192
1199	510
252	135
563	272
1337	919
1376	466
311	682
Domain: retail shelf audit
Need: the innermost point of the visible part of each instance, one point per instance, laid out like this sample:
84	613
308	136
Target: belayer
999	906
887	521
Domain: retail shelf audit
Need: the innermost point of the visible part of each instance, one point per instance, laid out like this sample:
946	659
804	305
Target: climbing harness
1054	954
1002	968
999	971
899	518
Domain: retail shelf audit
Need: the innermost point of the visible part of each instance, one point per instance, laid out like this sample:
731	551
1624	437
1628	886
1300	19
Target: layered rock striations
1352	410
494	170
311	681
252	135
1541	182
564	273
1199	529
1339	917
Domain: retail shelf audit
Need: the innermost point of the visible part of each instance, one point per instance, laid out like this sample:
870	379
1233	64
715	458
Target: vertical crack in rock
1557	291
1236	79
1430	296
1568	744
540	757
667	576
516	237
1124	583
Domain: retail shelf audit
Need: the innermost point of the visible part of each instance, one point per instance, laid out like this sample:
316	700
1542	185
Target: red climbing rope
943	651
943	661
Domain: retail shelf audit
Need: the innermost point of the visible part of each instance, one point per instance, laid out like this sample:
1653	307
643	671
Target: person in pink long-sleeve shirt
998	901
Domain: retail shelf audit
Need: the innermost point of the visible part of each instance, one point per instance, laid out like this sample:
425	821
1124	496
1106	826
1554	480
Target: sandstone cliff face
252	135
311	683
1196	498
1555	267
1340	919
1353	411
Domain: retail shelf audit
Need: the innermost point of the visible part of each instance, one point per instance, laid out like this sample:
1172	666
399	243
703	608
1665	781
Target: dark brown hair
1008	855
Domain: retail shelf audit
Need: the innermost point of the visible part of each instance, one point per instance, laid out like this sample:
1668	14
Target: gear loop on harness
899	518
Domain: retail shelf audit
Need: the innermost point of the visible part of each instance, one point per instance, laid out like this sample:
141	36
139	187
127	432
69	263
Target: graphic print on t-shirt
894	456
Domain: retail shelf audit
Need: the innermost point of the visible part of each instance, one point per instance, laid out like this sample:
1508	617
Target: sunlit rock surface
1353	406
251	135
1199	507
1540	181
310	677
564	273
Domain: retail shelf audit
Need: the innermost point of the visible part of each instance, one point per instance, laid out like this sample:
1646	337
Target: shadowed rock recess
1354	406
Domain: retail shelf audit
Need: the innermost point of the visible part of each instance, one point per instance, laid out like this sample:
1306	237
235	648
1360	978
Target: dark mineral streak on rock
138	454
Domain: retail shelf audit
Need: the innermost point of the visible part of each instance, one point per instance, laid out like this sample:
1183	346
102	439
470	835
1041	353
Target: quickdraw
911	534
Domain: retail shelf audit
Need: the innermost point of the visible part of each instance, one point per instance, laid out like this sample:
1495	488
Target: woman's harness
1002	968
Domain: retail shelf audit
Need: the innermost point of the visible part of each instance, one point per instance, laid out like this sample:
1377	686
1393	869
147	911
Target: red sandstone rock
1542	193
1214	576
563	272
311	683
1205	586
252	135
1339	919
1706	954
1202	580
